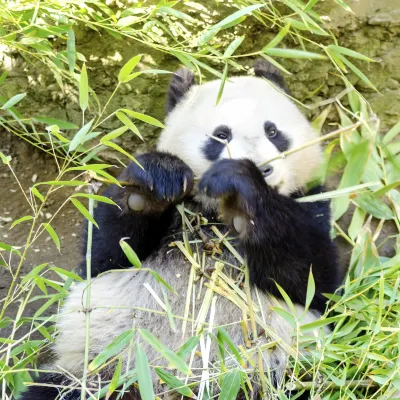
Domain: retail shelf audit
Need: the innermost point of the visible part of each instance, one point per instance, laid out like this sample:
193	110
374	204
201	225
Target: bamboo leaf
174	383
115	379
130	254
143	375
144	118
83	89
128	68
13	101
114	134
22	219
278	38
52	234
79	136
222	84
310	290
71	52
293	53
84	211
233	46
236	17
350	53
230	385
54	121
169	355
102	199
128	123
115	347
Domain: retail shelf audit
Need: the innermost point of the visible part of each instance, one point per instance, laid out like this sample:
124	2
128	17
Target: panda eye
272	133
222	132
222	136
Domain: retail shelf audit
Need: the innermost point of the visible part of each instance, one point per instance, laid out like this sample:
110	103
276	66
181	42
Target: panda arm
281	238
144	211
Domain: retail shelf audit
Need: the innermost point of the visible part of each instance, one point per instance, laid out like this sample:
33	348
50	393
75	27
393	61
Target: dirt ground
30	164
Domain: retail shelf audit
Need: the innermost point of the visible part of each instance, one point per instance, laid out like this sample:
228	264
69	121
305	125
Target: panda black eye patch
214	147
275	136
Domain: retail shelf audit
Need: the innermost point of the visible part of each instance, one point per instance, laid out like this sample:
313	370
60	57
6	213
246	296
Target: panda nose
266	170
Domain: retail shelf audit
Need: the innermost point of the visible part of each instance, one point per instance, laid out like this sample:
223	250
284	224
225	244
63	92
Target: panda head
254	116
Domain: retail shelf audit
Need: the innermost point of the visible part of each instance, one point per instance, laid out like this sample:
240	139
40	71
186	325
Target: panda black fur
279	237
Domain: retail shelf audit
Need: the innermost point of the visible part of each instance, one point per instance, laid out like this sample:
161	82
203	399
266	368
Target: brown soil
30	164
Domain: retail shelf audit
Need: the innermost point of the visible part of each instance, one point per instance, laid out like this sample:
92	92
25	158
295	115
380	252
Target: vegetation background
61	84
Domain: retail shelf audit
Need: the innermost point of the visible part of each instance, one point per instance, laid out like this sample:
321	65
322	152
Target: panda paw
164	179
237	182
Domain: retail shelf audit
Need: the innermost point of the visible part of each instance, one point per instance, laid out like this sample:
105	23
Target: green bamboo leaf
53	299
350	53
356	223
3	77
115	379
127	21
352	175
33	273
84	211
83	89
236	17
130	254
176	361
22	219
66	273
144	118
5	159
223	337
122	151
52	234
55	131
162	281
71	52
174	383
233	46
344	6
207	36
37	194
392	133
320	323
374	206
115	347
175	13
278	38
90	167
310	290
287	316
114	134
360	74
143	375
128	68
286	297
293	53
62	183
54	121
102	199
128	123
13	101
222	84
80	136
230	385
188	347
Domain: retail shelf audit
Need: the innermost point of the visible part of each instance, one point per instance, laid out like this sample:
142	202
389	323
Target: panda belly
122	301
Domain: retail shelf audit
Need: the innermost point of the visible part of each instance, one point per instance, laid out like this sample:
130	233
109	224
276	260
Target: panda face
253	120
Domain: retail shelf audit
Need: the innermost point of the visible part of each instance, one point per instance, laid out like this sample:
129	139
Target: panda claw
184	185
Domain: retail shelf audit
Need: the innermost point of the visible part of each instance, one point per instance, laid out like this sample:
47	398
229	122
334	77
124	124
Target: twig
312	142
325	385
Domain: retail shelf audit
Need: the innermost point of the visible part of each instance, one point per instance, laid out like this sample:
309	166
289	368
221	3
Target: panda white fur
279	237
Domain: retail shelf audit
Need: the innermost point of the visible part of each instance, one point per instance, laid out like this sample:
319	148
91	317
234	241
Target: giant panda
210	158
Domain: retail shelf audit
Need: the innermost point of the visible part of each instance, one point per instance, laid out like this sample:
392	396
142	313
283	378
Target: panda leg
282	239
144	213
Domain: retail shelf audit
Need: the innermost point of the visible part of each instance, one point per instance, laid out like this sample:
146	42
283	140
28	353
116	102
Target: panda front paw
239	184
164	179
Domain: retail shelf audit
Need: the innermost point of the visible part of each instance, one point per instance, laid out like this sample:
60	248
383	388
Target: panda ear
179	85
264	69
